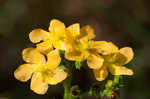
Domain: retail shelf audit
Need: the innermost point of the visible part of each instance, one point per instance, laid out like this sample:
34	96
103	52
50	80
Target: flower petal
95	61
104	47
128	53
38	35
74	29
120	70
56	26
54	59
45	47
24	72
38	84
58	76
88	32
32	55
120	58
113	47
74	55
100	74
59	44
115	58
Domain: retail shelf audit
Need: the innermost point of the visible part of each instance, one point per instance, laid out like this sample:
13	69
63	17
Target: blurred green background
123	22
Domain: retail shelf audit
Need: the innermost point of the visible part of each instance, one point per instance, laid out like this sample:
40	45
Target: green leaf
107	92
116	79
78	65
109	84
63	68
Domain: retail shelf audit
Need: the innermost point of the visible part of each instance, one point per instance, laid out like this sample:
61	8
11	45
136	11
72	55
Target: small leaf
63	68
116	79
107	92
78	65
109	84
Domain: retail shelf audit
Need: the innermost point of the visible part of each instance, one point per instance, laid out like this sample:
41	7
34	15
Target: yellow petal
74	29
23	73
54	59
104	47
100	74
120	70
128	53
87	31
38	84
57	26
45	47
115	58
32	55
74	55
38	35
113	47
60	45
95	61
58	76
120	58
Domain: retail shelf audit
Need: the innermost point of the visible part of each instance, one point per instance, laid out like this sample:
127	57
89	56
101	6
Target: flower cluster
78	45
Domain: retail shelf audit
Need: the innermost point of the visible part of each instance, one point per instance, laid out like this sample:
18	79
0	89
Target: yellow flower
114	63
82	47
78	44
57	36
42	72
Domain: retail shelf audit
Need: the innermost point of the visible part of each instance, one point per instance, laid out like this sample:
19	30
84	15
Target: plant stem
67	82
67	88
